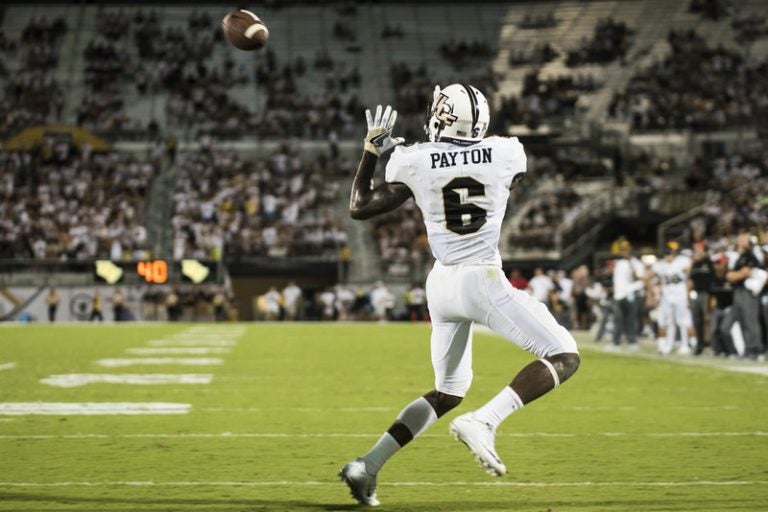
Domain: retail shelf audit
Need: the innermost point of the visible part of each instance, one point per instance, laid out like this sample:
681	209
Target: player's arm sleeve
514	161
367	201
397	169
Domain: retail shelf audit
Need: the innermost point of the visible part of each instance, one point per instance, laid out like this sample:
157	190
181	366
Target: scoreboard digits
155	271
158	271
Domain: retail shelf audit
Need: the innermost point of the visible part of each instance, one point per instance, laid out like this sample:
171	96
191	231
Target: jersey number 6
463	218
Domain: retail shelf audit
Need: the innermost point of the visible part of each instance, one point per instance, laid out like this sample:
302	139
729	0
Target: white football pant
459	295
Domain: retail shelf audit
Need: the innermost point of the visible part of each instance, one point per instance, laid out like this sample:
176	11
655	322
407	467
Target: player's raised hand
379	138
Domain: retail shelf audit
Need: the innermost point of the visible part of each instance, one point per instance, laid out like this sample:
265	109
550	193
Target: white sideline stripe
226	435
214	337
197	351
72	380
709	362
91	408
581	408
460	483
184	361
7	366
297	409
757	370
192	343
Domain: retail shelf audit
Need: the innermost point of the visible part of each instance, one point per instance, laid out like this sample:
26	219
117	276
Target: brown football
245	30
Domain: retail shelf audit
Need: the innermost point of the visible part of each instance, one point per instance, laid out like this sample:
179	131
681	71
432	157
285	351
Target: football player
674	311
460	181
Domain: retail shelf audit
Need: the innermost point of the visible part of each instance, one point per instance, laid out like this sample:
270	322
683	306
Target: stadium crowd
610	41
63	204
697	87
267	207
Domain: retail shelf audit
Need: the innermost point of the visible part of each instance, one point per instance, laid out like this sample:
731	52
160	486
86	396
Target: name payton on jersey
448	159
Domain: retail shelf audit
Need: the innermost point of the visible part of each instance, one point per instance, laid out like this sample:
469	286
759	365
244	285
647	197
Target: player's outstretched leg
360	475
477	429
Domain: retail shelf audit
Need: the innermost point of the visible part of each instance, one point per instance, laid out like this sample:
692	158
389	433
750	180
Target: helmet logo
443	111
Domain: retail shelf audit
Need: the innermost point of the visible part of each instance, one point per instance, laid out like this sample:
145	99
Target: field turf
289	404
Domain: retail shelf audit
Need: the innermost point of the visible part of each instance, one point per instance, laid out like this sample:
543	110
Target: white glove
379	139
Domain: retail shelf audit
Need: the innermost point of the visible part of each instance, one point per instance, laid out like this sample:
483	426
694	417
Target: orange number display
155	271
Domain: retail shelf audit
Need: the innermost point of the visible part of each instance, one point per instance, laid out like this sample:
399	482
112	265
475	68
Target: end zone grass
292	403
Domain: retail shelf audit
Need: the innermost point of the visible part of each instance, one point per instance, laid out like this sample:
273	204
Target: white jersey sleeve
462	192
398	168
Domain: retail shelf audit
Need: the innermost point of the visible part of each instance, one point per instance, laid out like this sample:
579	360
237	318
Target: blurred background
150	171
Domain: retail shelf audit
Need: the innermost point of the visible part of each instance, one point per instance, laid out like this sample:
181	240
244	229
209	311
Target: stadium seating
164	71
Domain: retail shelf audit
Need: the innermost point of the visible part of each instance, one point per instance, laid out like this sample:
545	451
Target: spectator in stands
712	9
538	21
72	208
670	94
611	40
263	208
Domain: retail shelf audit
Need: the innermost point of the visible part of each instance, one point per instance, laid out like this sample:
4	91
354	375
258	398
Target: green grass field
288	405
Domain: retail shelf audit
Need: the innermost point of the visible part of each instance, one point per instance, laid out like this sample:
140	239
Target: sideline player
674	311
460	182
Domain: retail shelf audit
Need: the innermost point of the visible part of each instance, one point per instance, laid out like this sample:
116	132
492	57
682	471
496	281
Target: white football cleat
479	437
362	485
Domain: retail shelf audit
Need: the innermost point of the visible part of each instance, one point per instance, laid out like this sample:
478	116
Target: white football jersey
462	192
673	277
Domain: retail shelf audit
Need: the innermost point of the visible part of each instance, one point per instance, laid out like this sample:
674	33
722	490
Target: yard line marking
199	351
91	408
460	483
191	343
297	409
72	380
184	361
7	366
238	330
226	435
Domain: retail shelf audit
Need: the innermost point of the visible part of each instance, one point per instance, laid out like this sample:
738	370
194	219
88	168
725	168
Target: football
244	30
